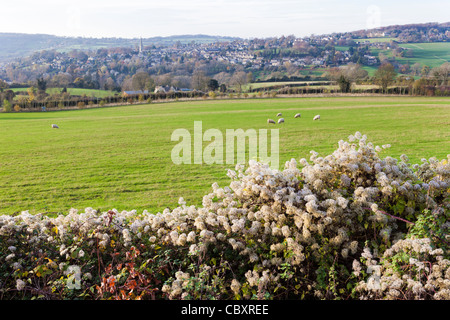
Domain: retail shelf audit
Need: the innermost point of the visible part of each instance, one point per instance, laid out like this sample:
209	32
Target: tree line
388	81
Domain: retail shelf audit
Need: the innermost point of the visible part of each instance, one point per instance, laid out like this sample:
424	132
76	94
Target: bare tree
385	75
354	72
346	75
127	84
61	80
416	68
425	70
142	81
110	84
199	80
223	77
239	78
181	81
442	73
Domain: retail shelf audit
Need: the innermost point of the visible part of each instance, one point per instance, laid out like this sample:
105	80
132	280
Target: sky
238	18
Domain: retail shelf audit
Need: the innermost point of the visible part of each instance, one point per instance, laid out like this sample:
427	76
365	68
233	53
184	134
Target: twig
392	216
398	218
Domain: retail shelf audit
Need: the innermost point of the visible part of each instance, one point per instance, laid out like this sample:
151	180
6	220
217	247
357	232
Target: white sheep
55	126
270	121
279	114
281	120
317	117
298	115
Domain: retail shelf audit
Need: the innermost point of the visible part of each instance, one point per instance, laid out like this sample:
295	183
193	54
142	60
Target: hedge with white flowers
349	225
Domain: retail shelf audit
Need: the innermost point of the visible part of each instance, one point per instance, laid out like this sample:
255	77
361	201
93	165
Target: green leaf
400	206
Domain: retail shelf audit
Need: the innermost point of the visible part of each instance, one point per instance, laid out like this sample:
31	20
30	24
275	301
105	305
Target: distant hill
407	33
15	45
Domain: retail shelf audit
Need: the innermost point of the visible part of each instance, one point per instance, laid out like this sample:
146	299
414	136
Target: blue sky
242	18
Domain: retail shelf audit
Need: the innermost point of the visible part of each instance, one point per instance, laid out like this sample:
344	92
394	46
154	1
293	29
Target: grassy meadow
76	92
379	39
430	54
81	91
120	157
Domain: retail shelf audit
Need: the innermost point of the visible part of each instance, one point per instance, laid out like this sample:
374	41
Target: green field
120	157
430	54
81	91
370	70
380	39
76	92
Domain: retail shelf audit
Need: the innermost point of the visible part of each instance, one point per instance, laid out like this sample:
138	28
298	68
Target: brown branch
392	216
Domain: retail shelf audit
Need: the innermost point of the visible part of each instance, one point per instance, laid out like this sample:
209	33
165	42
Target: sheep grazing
279	114
270	121
55	126
281	120
317	117
298	115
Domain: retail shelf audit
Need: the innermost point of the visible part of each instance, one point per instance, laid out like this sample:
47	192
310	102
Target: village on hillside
225	65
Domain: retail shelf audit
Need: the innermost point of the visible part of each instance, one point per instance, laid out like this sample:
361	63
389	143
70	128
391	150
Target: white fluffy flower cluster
410	269
176	288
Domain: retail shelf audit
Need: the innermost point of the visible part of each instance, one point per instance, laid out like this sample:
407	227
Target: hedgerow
349	225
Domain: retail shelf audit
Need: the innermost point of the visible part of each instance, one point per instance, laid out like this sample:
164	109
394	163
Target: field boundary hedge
88	103
348	225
